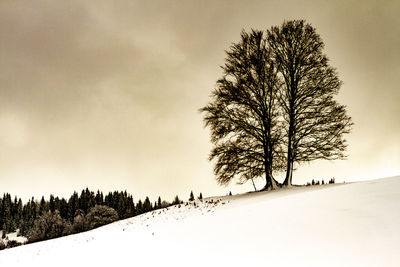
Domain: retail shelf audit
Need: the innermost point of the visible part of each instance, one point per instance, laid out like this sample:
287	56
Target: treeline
16	215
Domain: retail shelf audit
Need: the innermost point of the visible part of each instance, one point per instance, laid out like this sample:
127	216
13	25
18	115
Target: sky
105	94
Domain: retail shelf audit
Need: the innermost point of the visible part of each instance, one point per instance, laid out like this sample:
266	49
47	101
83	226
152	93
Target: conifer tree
139	207
42	206
147	205
191	198
176	200
159	202
52	204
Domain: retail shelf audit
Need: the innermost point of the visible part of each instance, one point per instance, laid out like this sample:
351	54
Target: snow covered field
13	236
356	224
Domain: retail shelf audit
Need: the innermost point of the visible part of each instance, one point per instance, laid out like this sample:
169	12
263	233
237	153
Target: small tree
201	196
176	200
147	205
159	203
191	198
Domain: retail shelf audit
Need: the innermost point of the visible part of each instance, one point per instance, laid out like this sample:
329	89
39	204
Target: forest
46	219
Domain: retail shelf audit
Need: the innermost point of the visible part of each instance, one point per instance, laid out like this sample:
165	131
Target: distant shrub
49	225
100	215
165	204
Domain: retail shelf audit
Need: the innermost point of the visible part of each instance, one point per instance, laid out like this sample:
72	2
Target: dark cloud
105	94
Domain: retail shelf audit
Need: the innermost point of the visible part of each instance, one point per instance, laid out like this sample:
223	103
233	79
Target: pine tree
201	196
159	203
191	198
147	205
42	207
176	200
99	198
64	209
7	213
139	207
52	204
73	205
121	208
57	204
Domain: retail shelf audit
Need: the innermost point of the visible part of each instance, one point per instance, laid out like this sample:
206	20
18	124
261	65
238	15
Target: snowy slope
355	224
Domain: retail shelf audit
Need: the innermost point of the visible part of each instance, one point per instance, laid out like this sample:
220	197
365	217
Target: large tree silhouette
243	114
314	122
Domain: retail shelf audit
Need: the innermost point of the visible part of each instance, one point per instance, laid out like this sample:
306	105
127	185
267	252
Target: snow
13	236
355	224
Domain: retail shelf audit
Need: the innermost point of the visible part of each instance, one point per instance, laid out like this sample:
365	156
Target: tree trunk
289	169
288	178
289	174
267	182
270	183
273	183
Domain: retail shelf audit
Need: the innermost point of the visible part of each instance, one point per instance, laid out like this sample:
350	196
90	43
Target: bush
48	226
165	204
100	215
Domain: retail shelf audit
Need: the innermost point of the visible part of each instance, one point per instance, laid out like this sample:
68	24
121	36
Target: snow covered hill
356	224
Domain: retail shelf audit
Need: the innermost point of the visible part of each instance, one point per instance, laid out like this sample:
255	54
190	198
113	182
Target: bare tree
315	122
243	114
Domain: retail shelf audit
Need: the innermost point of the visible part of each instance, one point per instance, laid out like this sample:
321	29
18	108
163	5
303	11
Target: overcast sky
105	94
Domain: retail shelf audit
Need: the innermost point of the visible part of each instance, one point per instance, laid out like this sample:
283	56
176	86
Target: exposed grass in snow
353	224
